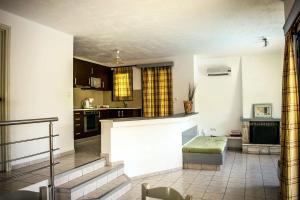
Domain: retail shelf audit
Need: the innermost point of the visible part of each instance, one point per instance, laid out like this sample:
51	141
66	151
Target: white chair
165	193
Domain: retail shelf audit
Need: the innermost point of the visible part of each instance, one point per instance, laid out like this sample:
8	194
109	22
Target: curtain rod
162	64
294	13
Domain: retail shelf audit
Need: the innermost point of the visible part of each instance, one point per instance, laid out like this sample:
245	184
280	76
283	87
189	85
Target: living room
231	52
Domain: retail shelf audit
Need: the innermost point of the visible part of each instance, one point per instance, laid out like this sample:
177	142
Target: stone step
79	171
88	182
110	191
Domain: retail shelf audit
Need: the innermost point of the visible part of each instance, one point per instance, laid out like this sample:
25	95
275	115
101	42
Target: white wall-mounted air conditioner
218	71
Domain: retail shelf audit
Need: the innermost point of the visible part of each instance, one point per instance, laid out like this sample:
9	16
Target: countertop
149	118
85	109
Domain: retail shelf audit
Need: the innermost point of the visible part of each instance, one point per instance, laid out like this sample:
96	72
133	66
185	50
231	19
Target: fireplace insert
264	132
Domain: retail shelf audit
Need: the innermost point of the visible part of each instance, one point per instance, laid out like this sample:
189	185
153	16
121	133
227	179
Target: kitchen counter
87	109
180	115
146	145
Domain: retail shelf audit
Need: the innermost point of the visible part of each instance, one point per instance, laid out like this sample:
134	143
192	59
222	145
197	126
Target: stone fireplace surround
257	148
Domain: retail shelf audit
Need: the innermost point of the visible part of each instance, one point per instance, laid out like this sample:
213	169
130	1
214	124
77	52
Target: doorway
4	52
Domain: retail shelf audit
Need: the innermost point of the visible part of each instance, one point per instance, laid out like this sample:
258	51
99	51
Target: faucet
125	103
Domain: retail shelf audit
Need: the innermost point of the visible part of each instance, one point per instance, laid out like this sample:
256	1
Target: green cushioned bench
204	152
205	144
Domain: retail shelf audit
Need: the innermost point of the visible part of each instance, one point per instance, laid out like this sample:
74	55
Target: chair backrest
165	193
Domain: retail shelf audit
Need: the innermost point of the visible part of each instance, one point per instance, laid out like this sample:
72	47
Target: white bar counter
146	145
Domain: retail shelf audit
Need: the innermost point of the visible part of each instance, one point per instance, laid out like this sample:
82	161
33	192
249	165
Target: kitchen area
95	99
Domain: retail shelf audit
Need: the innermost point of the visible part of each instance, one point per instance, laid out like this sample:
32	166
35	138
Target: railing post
51	184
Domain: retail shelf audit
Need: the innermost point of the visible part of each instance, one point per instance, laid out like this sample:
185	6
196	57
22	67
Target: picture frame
262	110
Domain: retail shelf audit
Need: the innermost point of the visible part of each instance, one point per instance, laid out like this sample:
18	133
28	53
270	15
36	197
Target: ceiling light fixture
117	59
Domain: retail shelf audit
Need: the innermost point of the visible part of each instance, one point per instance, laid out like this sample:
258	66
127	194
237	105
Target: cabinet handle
75	81
102	84
118	113
92	70
122	113
77	119
77	133
77	113
77	124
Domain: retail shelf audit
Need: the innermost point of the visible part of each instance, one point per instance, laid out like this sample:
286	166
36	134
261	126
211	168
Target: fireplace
264	132
261	136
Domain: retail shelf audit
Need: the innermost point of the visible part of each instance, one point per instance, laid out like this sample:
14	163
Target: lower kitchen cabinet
78	124
84	120
124	113
104	114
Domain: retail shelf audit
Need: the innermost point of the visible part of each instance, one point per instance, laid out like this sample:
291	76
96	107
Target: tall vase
188	106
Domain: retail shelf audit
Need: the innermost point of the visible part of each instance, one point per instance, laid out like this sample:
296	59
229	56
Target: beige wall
104	98
79	95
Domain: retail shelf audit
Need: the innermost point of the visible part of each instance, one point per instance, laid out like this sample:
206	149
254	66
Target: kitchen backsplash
137	99
104	97
79	95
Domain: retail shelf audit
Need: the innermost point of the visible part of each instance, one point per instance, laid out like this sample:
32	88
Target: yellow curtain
289	159
157	91
4	138
122	81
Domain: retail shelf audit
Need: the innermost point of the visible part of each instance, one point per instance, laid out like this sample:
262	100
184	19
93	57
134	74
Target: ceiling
145	29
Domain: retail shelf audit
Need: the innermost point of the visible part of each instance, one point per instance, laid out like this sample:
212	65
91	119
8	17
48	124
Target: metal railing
51	187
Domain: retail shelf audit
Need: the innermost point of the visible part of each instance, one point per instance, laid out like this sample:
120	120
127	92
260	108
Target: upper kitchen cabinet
105	75
84	73
81	72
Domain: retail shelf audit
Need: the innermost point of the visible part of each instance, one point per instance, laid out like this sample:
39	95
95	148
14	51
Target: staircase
95	180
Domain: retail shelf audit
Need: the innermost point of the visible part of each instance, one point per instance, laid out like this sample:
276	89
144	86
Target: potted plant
188	105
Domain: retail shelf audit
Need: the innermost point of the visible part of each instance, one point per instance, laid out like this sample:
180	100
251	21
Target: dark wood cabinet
105	74
104	114
78	125
124	113
83	71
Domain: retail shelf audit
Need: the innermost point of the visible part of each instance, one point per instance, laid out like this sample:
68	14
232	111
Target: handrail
27	140
50	120
27	121
19	174
29	156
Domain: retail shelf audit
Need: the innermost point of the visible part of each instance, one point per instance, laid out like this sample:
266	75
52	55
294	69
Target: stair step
89	176
79	171
82	185
112	190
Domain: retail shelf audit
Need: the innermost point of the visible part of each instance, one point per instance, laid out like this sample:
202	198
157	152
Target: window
122	78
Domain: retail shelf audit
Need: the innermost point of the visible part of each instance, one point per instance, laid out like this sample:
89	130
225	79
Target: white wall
218	99
262	82
183	74
40	82
146	146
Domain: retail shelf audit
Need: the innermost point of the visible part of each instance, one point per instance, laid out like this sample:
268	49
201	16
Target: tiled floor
85	153
244	176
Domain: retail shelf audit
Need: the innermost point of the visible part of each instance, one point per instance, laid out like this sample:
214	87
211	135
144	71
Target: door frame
4	92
